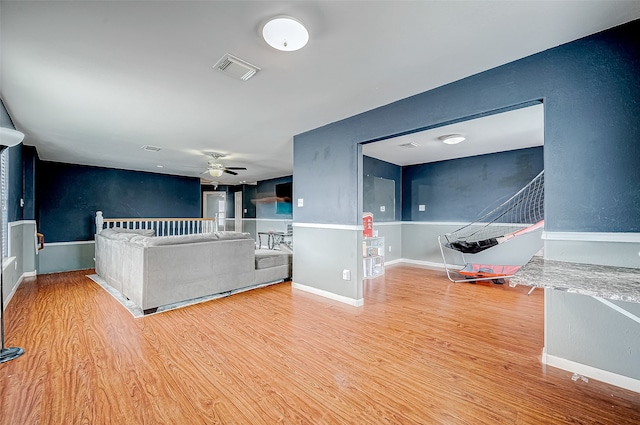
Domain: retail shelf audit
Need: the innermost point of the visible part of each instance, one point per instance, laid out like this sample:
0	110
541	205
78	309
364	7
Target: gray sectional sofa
157	270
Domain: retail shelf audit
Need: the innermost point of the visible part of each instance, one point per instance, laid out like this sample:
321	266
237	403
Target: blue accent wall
328	170
377	168
29	165
69	196
249	193
591	94
463	189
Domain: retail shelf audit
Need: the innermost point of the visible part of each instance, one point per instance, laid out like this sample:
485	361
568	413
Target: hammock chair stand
497	278
512	218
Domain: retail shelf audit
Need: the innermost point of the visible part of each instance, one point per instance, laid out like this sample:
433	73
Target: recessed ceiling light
285	33
150	148
452	139
160	166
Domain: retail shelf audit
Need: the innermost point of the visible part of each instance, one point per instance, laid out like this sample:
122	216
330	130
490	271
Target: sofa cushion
224	236
266	258
174	240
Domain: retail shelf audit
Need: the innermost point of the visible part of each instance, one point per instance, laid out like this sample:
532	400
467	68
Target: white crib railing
161	226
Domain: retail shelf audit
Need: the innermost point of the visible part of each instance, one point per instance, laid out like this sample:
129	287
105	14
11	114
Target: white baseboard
607	377
15	288
330	295
422	263
396	261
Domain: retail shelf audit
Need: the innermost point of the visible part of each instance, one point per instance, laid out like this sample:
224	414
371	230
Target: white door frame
219	216
238	211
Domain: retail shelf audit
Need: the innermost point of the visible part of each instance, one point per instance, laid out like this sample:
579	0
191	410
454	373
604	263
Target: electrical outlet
346	274
300	202
389	248
382	208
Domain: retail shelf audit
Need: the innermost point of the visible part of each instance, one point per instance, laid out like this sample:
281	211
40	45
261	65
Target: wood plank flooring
421	351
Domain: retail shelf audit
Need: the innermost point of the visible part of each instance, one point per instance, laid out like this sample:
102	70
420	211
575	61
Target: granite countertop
614	283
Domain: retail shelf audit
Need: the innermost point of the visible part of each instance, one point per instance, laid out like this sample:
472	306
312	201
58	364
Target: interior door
238	211
214	206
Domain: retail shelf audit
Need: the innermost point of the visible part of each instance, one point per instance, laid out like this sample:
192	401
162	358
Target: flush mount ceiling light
215	172
285	33
452	139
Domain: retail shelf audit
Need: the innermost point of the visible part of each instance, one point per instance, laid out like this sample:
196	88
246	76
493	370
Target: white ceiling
519	129
90	82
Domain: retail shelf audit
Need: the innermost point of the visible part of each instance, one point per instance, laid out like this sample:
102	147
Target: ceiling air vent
236	68
409	145
151	148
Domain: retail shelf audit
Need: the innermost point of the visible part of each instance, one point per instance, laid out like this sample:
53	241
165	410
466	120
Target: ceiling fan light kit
285	33
216	168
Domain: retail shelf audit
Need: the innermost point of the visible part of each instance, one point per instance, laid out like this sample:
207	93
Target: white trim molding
591	372
435	223
69	243
428	264
18	283
18	222
326	294
6	263
627	237
330	226
284	220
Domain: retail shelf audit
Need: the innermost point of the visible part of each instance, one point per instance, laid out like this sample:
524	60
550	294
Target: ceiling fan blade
205	172
236	168
233	173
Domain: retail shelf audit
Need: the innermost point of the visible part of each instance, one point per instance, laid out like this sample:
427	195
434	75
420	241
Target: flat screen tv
284	193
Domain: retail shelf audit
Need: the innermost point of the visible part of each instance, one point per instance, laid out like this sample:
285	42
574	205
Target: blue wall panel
591	93
462	189
69	195
325	164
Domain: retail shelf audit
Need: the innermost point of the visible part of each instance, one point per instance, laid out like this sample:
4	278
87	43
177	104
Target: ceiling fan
216	169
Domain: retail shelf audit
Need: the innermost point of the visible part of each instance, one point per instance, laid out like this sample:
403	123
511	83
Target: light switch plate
421	207
300	202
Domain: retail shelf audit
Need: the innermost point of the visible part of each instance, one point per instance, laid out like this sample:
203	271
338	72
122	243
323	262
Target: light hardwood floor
421	351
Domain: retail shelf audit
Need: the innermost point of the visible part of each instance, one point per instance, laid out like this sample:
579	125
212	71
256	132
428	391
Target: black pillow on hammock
473	247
